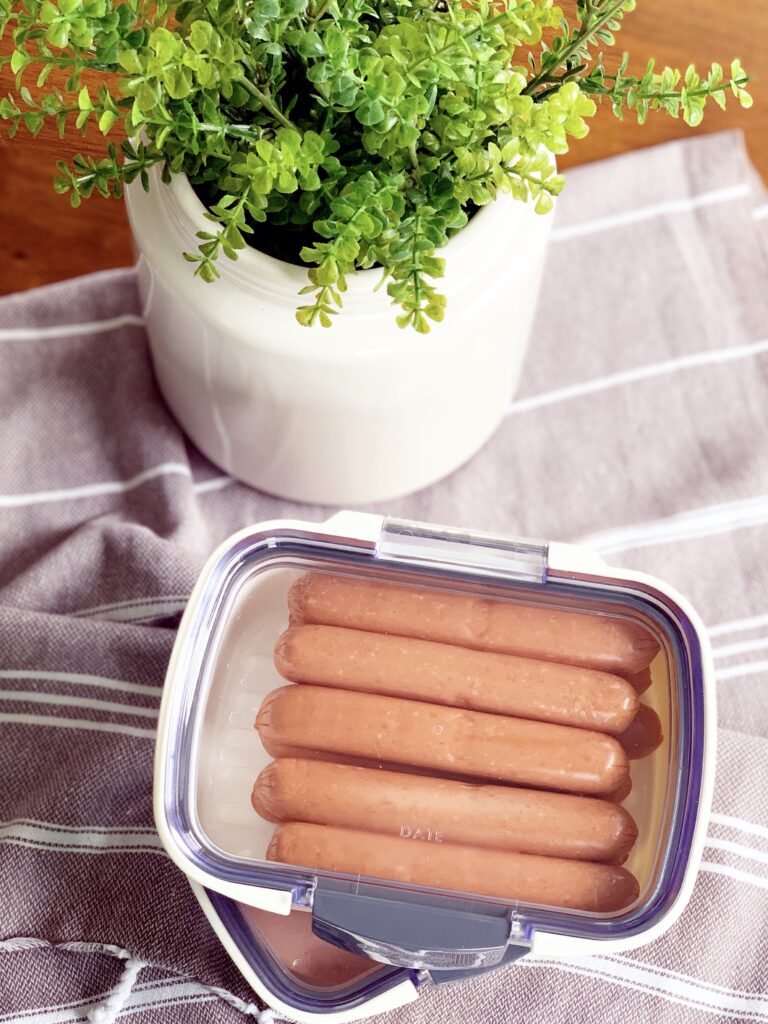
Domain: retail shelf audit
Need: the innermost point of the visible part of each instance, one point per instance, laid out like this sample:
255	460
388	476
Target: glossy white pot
363	411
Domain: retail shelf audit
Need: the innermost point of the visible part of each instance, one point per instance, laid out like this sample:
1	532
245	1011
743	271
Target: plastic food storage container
465	748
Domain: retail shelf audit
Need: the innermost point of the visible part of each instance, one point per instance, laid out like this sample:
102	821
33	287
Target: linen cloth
640	426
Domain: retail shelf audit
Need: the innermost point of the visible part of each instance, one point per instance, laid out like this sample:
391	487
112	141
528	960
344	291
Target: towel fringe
107	1011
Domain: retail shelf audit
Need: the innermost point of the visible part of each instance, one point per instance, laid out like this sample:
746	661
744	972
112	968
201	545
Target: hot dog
280	750
621	792
552	881
592	641
644	735
449	739
396	804
444	674
640	680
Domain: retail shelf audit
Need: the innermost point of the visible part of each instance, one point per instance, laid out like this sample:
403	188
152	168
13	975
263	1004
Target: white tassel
268	1016
107	1011
22	943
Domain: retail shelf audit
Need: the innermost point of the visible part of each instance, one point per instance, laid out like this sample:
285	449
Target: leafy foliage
372	127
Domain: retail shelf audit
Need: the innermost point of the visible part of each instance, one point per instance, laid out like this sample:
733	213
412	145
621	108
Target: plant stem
702	90
585	34
558	81
414	162
321	10
512	172
238	131
267	104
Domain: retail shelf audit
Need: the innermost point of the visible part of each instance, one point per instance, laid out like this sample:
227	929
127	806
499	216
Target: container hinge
446	547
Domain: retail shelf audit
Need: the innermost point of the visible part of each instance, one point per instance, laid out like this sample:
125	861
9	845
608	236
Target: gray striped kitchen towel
641	426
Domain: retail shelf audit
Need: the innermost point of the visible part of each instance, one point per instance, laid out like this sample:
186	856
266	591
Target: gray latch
414	935
446	547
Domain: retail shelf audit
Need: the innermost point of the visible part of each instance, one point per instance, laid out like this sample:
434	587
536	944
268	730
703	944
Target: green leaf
8	108
146	97
305	315
177	82
129	61
311	45
107	122
48	12
265	149
335	43
165	44
45	71
327	273
207	271
19	61
58	34
200	36
33	122
370	113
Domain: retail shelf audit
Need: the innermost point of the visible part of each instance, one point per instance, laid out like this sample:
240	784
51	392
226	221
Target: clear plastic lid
477	744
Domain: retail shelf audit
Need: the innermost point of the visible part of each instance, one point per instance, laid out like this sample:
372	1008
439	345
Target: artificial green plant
364	132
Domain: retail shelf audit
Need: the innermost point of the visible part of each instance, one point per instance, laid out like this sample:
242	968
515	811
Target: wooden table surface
44	240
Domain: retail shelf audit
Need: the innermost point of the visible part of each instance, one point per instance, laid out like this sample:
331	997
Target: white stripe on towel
143	613
39	835
94	490
667	972
700	522
141	999
670	206
738	625
761	213
740	647
69	330
740	825
747	668
215	483
76	679
712	357
85	704
56	826
138	612
147	995
735	873
737	849
676	988
130	602
56	722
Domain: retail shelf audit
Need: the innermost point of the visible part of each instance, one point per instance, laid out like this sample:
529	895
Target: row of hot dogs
445	689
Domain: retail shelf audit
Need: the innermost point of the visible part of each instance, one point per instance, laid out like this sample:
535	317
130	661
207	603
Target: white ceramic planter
363	411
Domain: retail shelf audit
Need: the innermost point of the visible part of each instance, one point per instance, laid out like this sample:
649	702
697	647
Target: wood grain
44	240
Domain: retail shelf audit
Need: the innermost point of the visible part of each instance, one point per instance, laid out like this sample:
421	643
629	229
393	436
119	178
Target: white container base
363	411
